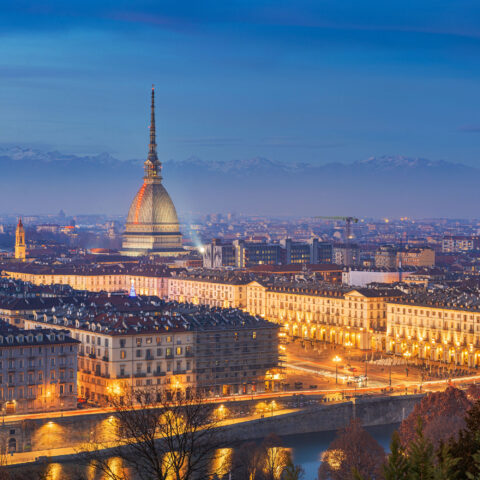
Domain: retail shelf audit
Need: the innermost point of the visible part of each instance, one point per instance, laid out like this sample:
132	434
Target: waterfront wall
78	430
323	417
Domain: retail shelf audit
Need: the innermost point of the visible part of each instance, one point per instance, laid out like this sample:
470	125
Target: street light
336	359
407	355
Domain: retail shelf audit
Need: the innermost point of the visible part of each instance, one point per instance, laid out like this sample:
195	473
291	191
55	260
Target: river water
306	450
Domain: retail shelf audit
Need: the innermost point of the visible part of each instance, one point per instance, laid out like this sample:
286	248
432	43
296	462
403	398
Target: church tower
20	248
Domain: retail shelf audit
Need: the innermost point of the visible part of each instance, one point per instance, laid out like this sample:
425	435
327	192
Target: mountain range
36	181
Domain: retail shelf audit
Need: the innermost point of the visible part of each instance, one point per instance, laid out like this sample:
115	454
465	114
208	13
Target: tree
397	464
354	453
160	435
267	461
293	472
442	415
248	462
475	475
421	457
275	457
465	446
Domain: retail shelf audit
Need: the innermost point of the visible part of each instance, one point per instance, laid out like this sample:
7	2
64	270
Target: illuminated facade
348	317
38	370
20	247
438	331
113	360
94	278
152	224
170	347
212	288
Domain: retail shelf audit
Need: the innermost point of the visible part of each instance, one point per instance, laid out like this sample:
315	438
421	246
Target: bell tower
20	247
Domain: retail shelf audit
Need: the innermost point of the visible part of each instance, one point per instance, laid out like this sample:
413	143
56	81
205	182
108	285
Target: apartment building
388	256
215	288
243	254
460	243
38	370
416	257
151	342
145	279
323	312
443	326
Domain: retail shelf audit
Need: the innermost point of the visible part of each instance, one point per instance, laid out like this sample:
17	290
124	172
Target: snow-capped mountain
37	181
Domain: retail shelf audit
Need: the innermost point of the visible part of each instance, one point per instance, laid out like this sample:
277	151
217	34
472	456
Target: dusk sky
313	81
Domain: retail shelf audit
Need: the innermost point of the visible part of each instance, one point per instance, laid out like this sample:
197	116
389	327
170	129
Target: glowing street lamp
407	355
336	359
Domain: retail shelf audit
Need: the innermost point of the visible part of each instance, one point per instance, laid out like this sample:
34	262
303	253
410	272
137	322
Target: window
179	351
138	353
139	342
159	352
123	343
254	335
148	340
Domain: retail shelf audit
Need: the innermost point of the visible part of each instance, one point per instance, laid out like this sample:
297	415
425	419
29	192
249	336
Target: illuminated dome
152	205
152	224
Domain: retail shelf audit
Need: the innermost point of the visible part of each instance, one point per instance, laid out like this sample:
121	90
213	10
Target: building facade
38	370
329	314
242	254
214	288
166	345
460	243
416	257
435	329
146	279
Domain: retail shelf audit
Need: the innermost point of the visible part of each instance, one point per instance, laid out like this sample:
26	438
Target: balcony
179	372
139	374
92	355
169	356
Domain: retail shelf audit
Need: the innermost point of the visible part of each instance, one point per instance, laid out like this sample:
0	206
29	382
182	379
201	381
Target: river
308	447
306	450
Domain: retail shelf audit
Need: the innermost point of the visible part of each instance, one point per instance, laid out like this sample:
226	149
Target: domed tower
20	247
152	223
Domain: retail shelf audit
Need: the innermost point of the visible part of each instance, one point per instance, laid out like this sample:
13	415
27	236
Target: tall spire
152	165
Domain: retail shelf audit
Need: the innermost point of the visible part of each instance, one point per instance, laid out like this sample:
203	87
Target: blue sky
315	81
